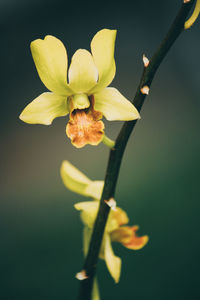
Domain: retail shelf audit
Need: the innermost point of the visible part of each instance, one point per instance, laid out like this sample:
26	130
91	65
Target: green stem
108	142
116	154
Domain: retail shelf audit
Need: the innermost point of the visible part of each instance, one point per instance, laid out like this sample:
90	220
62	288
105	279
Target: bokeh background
41	233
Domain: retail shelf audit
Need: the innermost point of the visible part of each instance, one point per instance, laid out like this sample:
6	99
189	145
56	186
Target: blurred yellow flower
82	92
115	230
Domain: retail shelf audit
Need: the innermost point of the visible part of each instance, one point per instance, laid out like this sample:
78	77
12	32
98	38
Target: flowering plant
83	93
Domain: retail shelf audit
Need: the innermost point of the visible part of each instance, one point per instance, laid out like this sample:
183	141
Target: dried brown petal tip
81	275
186	1
111	203
145	61
145	90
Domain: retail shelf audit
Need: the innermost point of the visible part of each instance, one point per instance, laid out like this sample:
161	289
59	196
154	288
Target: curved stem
194	16
116	154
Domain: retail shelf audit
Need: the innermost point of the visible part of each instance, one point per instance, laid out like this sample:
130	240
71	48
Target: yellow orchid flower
82	92
115	230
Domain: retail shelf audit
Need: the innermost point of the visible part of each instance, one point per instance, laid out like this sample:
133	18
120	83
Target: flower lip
126	235
84	126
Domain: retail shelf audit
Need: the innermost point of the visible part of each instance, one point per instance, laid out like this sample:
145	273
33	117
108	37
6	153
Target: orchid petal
136	243
77	182
88	211
73	179
120	216
113	262
50	59
44	109
115	106
102	47
95	291
95	188
87	232
127	237
86	239
83	73
116	218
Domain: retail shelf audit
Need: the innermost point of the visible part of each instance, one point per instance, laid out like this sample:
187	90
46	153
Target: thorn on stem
145	61
111	203
81	275
145	90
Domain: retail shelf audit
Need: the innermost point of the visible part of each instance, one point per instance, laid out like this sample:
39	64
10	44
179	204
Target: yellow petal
113	262
73	179
87	232
88	211
120	216
95	188
115	106
50	58
77	182
83	73
95	291
135	242
116	218
122	234
111	224
127	236
44	109
102	47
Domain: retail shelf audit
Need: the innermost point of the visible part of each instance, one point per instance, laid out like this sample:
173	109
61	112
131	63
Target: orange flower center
85	127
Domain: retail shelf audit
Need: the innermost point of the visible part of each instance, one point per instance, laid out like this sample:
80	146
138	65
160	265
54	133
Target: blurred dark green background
41	246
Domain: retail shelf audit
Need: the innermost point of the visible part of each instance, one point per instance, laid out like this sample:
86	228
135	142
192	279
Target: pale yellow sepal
87	232
116	218
113	262
115	106
94	189
77	182
120	216
44	109
111	224
50	59
95	291
88	211
102	47
82	73
73	179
